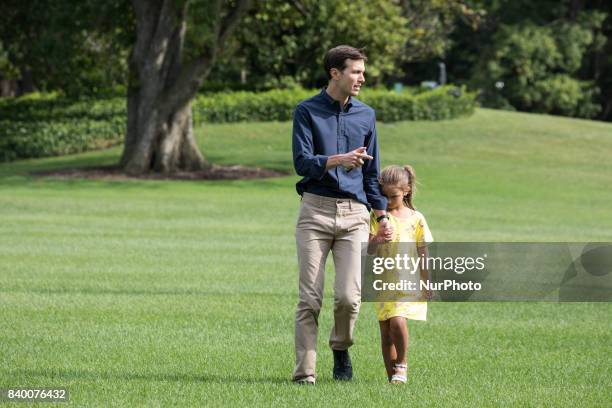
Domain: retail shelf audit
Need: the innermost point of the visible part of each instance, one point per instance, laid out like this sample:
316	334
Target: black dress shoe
343	369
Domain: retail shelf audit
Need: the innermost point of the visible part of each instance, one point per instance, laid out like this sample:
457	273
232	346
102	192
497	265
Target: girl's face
395	196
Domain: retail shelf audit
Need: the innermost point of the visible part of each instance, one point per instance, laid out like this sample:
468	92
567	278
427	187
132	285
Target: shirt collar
331	100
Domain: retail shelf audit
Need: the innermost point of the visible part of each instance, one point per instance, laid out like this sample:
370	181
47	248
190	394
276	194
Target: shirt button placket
340	146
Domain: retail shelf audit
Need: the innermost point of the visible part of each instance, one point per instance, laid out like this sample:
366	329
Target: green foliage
76	46
278	105
541	64
48	125
430	24
564	95
447	102
7	69
224	107
280	39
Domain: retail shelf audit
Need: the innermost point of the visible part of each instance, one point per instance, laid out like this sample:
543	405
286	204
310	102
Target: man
335	149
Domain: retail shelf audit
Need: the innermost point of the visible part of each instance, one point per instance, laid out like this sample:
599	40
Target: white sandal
399	378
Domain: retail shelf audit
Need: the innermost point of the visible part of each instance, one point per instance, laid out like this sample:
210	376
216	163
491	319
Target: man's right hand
354	158
348	160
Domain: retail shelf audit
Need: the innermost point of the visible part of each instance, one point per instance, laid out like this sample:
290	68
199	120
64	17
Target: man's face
349	80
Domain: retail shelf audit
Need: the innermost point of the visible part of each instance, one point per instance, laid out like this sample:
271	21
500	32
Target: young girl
398	185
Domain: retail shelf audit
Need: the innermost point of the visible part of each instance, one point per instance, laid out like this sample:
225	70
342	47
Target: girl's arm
372	244
375	240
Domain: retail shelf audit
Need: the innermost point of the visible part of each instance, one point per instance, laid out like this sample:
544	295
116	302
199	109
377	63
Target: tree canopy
550	56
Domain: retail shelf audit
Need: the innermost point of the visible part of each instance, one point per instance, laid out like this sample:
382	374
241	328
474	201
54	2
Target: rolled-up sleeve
371	173
306	163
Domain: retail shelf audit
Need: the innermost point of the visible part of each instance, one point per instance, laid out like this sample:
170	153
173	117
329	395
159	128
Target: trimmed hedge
46	125
445	102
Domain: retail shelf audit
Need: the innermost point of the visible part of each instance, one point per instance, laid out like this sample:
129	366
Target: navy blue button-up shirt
322	129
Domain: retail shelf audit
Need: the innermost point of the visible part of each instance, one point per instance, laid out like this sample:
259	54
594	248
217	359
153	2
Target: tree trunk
8	87
162	86
159	142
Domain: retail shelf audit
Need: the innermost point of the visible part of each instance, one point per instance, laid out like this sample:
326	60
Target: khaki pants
324	224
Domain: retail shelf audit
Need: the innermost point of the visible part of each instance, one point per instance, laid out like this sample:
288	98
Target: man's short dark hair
337	56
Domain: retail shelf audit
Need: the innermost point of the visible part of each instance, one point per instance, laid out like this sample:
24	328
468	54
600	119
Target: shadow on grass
75	170
60	184
72	375
36	177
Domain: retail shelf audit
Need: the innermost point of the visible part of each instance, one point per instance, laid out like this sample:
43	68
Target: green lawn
183	293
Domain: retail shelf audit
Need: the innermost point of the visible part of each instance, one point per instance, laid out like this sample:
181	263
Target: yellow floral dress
412	229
